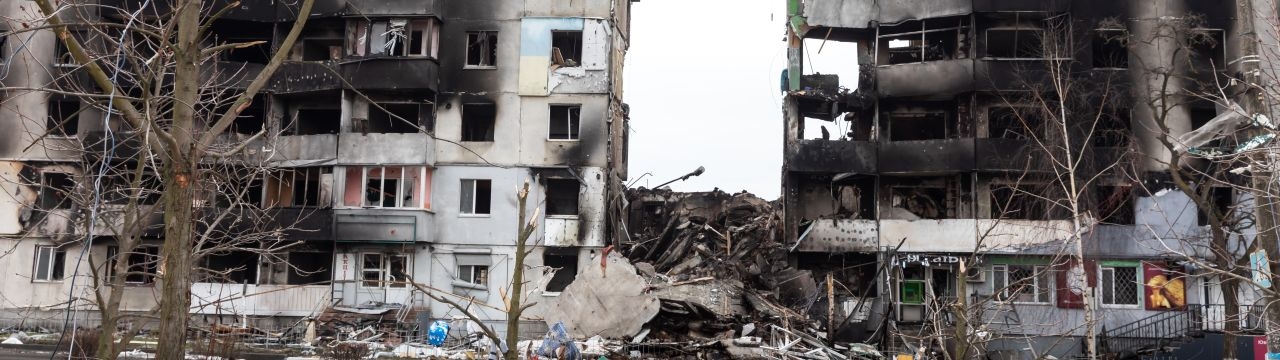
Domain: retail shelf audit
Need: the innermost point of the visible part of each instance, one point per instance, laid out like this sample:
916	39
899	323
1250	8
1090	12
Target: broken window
307	268
55	190
1022	123
386	186
928	40
562	196
299	187
249	121
919	126
64	117
1119	285
321	49
237	189
1021	283
142	264
1200	116
235	267
384	270
396	37
920	201
50	263
566	48
1110	50
474	274
475	197
400	118
565	121
1112	129
1207	50
1115	204
1016	36
314	122
482	49
1220	197
424	37
1023	202
566	266
478	122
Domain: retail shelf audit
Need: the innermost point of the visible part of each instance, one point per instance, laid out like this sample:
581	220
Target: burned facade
927	146
395	137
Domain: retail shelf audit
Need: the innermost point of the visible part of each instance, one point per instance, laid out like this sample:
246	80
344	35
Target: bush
226	346
86	343
345	351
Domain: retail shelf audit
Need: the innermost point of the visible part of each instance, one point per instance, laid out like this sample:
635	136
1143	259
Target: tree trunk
514	307
1231	300
180	174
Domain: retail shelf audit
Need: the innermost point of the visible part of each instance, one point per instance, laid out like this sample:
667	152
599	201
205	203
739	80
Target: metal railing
1153	333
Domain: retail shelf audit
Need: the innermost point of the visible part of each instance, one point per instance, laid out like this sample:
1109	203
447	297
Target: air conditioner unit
975	275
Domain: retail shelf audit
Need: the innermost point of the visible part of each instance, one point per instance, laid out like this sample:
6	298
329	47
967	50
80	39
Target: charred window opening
1021	123
922	202
55	190
476	195
306	268
384	270
250	121
566	48
928	40
853	272
299	187
1113	129
1023	201
3	40
482	49
119	189
386	186
50	264
234	189
562	196
234	267
478	121
1110	50
321	49
64	117
1220	197
920	126
225	32
400	118
566	265
1115	204
1200	116
424	37
314	122
565	122
1207	50
141	267
1016	36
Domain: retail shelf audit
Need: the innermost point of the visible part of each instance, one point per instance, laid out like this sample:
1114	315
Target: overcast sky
702	78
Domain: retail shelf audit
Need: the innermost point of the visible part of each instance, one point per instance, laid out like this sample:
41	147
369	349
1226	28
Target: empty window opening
141	267
55	190
62	55
565	122
386	186
315	122
566	265
1022	123
920	202
50	264
1207	50
235	267
482	48
1113	129
928	40
306	268
250	121
1023	202
478	122
424	37
399	118
384	270
1110	50
854	199
299	187
64	117
120	188
227	32
238	190
1220	198
1115	204
566	48
919	126
1021	283
1017	36
474	274
475	197
562	196
1200	116
320	49
1119	285
3	39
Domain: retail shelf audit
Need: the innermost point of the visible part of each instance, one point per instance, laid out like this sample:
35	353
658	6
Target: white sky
702	78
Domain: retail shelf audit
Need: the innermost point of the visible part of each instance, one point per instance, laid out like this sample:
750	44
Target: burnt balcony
297	223
274	11
386	148
926	156
304	77
383	225
997	154
828	156
392	73
121	145
939	79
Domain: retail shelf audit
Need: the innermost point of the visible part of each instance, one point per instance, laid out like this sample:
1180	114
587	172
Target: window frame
386	279
470	278
59	128
1001	273
487	40
46	184
55	266
417	202
462	212
149	277
1136	283
573	124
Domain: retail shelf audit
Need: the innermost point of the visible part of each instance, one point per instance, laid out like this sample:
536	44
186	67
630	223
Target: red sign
1072	278
1259	347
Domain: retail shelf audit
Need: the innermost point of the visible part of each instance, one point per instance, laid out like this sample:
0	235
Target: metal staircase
1154	335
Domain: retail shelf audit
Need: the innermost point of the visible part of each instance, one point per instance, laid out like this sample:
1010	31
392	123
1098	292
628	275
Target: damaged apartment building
913	140
398	135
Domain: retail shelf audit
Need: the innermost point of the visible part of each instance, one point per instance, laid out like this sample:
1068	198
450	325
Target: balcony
392	73
996	154
839	235
382	225
942	79
258	300
122	145
297	223
926	156
561	230
943	235
305	149
832	156
393	148
295	77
